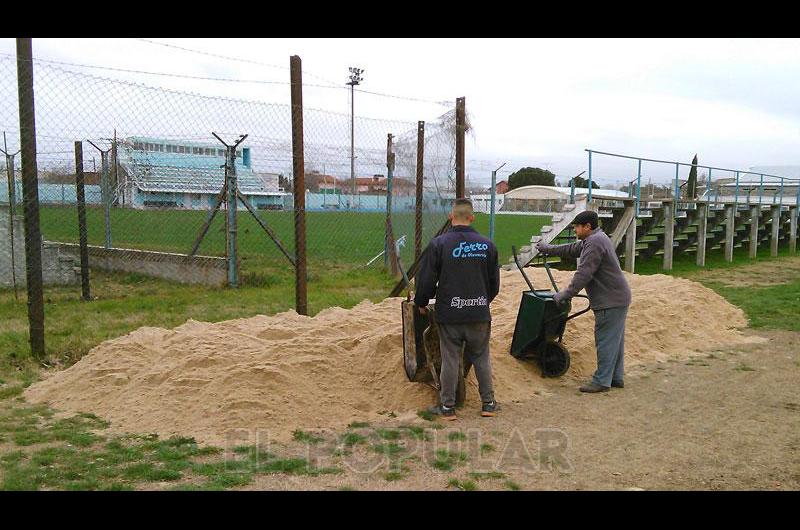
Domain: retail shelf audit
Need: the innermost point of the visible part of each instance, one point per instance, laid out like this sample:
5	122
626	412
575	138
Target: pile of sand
287	371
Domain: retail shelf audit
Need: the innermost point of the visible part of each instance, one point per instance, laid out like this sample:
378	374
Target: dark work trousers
609	338
476	352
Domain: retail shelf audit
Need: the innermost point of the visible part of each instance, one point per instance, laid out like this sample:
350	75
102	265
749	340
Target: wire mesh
154	173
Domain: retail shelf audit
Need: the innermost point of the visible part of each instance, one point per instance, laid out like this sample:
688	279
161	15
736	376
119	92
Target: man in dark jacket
460	268
609	296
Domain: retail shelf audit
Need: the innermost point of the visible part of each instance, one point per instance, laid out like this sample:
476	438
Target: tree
581	182
691	184
528	176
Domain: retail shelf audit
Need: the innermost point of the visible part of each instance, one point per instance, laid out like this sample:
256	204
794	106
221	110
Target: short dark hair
462	209
587	217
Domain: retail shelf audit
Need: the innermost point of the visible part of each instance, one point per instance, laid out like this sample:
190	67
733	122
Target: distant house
501	187
159	173
374	185
320	183
400	185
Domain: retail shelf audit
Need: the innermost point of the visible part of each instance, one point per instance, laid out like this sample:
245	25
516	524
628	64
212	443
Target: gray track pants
609	338
476	353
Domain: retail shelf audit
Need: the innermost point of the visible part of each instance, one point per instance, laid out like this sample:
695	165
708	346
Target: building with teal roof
174	173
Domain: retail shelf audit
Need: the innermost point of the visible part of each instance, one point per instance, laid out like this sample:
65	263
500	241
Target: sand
284	372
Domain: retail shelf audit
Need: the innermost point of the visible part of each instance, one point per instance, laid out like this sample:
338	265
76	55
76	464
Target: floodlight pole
355	79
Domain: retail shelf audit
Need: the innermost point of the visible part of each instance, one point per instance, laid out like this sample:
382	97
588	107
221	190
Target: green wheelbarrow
540	326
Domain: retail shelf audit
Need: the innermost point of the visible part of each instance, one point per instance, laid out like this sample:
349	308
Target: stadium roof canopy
555	192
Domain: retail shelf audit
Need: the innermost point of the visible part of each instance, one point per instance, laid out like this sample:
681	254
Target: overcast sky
531	101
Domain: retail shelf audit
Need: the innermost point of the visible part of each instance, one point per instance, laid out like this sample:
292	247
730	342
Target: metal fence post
760	189
677	190
298	168
30	195
12	210
12	184
104	189
388	236
638	186
82	236
708	186
230	179
590	182
420	176
113	170
493	194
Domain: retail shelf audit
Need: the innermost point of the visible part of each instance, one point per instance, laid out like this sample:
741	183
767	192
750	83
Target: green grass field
335	240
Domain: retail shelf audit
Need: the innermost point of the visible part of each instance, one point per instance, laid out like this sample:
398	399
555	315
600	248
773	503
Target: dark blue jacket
464	263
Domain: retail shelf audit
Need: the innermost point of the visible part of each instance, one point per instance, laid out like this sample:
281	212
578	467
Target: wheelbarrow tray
422	356
539	320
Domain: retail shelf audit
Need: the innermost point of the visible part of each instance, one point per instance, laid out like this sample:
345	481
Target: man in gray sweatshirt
609	296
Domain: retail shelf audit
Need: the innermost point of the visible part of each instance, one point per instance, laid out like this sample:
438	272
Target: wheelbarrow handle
550	274
579	313
516	261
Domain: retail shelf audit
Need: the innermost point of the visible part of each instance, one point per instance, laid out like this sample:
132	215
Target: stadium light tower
355	79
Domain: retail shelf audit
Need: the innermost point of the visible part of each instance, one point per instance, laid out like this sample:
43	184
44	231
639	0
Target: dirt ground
723	420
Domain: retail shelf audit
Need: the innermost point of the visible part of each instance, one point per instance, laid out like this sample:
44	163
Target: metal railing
737	184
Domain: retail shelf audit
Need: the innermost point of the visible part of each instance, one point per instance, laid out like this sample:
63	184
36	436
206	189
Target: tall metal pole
355	79
494	195
420	177
298	168
388	240
30	195
352	142
84	248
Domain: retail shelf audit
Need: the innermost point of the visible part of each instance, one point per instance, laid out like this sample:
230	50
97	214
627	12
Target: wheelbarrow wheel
554	360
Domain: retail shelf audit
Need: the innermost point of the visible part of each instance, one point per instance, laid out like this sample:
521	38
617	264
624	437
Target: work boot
447	413
489	409
617	384
592	387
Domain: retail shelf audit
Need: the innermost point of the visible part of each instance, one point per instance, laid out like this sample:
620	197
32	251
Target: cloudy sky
531	101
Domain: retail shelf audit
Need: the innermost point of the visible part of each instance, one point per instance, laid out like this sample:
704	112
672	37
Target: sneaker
617	384
447	413
591	388
489	409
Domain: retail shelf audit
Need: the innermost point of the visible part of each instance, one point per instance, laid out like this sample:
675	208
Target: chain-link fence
155	172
